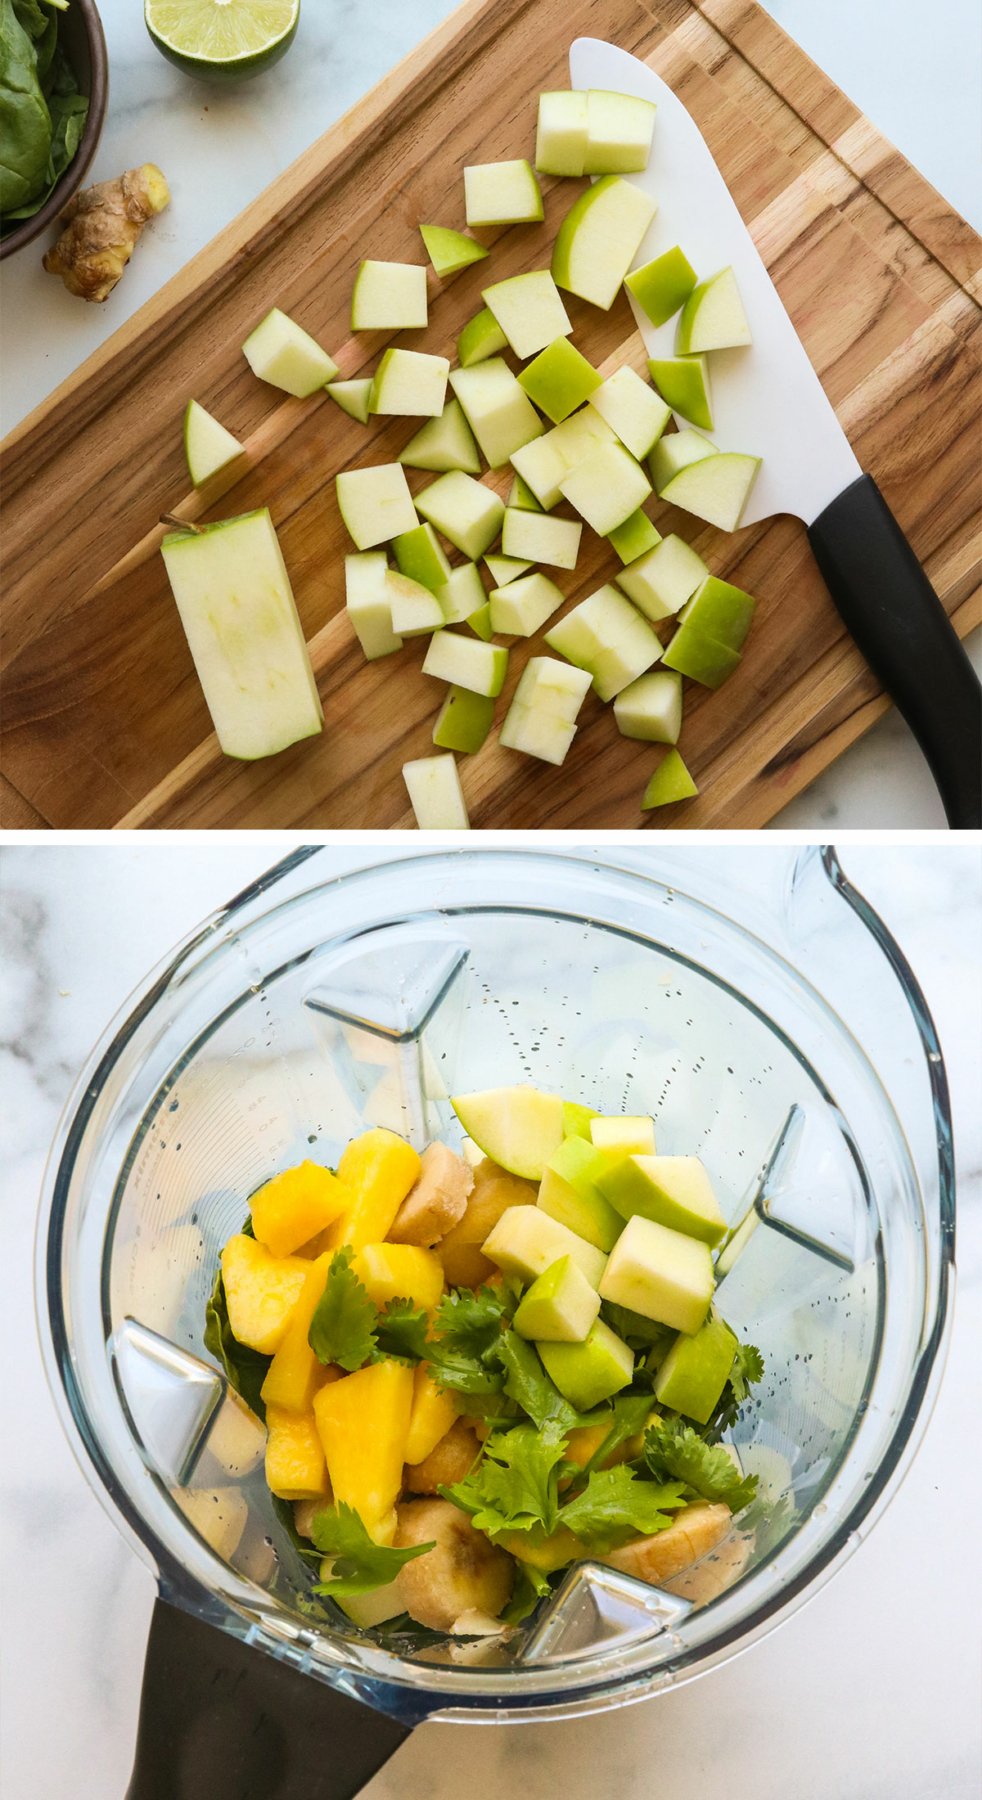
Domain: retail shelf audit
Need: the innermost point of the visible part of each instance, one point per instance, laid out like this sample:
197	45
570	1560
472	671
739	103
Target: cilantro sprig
348	1329
616	1504
360	1564
515	1486
674	1451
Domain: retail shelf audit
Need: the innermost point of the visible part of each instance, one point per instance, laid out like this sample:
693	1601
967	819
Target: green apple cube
480	338
577	1119
375	503
281	352
548	686
464	510
530	311
526	1242
670	783
466	663
693	1375
537	733
605	635
420	556
353	397
599	238
716	488
632	409
674	1190
503	569
541	539
479	621
208	446
569	1192
522	608
559	379
502	193
618	1135
651	708
443	444
683	383
463	721
606	487
588	1373
518	1127
712	317
368	603
240	619
435	794
545	463
720	611
660	1274
408	382
450	251
561	133
661	581
389	296
462	594
619	129
636	536
676	452
559	1307
499	413
691	653
662	286
414	609
520	495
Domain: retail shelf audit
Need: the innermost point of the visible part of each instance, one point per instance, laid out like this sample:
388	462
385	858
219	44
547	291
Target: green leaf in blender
401	1331
360	1564
244	1368
674	1451
515	1486
616	1505
342	1329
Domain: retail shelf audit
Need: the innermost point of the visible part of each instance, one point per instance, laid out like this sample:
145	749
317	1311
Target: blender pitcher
778	1033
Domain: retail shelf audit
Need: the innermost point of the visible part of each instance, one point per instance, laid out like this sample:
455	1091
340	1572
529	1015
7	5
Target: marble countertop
220	149
869	1693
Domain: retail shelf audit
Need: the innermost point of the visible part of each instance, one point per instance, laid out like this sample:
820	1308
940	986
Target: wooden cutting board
103	719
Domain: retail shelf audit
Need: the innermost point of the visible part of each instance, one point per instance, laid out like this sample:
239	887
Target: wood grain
103	720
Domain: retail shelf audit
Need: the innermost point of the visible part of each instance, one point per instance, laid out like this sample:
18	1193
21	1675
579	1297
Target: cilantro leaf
527	1382
401	1331
515	1486
462	1373
616	1505
748	1367
359	1563
674	1451
342	1329
625	1418
471	1323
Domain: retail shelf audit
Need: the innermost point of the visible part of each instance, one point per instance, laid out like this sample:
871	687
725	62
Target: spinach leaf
25	122
65	109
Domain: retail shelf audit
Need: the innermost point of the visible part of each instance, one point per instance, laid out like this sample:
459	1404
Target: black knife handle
907	638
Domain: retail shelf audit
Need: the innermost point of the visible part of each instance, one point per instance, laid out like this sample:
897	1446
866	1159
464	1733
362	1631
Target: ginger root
102	225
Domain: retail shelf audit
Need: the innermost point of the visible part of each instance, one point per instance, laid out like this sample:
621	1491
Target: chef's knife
769	402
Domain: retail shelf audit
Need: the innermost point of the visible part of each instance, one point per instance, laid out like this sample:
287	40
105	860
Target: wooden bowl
85	44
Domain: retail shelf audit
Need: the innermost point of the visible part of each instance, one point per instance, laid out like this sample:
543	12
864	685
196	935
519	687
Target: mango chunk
296	1205
379	1168
400	1272
363	1421
261	1292
295	1466
434	1411
295	1373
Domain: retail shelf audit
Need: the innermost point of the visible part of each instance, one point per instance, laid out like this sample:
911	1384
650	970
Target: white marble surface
870	1693
220	149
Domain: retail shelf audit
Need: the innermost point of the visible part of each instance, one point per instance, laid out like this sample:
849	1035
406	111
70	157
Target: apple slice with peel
634	538
693	654
208	447
461	594
368	603
561	133
375	503
676	452
463	721
619	131
544	463
670	782
675	1190
569	1192
535	733
480	338
518	1127
716	488
464	510
599	238
389	296
559	379
530	311
450	251
502	193
576	1121
522	608
503	569
660	287
559	1307
414	609
419	555
720	611
683	383
608	637
520	495
632	409
526	1242
408	382
661	581
467	663
587	1374
606	487
443	444
651	708
435	794
353	397
499	413
693	1375
618	1135
660	1273
240	618
281	352
712	317
549	686
540	538
479	621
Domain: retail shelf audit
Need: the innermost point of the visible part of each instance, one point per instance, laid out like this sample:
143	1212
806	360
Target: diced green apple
522	608
518	1127
651	708
720	611
693	1375
716	488
541	539
467	663
408	382
673	1190
375	503
479	621
619	1135
712	317
693	654
461	594
661	581
561	133
536	733
389	296
606	487
450	251
526	1242
674	453
632	409
549	686
464	510
353	397
503	569
660	1274
530	311
577	1119
499	412
619	129
368	603
463	721
660	287
435	794
414	609
634	538
281	352
480	338
443	444
546	462
670	783
569	1192
208	446
240	619
606	636
420	556
591	1372
683	383
520	495
598	239
559	1307
502	193
559	379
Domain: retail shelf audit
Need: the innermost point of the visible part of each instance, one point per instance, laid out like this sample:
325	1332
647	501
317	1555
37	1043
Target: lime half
222	40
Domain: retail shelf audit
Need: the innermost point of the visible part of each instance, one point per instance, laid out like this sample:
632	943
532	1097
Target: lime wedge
218	40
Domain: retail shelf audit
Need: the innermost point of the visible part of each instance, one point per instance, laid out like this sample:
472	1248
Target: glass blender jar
778	1034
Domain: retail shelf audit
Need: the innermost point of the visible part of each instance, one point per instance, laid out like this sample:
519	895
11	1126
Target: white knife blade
767	398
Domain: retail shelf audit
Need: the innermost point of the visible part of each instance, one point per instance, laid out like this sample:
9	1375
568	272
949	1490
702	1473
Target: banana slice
462	1573
697	1530
707	1579
437	1202
449	1461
